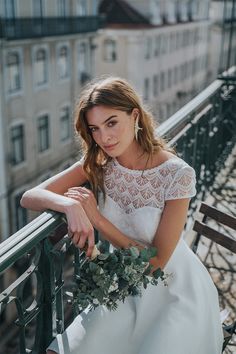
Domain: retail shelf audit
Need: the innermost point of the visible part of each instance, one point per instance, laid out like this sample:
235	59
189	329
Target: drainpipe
4	216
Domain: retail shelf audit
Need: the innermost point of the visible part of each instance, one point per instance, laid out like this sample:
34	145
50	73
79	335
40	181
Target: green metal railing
203	132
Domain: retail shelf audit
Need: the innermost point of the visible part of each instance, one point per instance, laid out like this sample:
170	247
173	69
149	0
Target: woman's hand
80	228
88	201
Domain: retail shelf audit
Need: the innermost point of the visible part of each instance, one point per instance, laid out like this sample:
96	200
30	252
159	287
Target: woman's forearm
112	234
40	199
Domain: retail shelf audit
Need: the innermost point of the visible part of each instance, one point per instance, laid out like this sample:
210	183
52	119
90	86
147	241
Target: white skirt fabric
180	318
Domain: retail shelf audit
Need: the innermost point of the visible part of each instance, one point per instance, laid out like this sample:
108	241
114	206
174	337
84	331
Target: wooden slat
215	236
218	215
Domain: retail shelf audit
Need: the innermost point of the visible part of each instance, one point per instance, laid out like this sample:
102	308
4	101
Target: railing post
46	322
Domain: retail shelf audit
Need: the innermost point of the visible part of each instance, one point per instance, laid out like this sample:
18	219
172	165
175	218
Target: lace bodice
135	199
134	189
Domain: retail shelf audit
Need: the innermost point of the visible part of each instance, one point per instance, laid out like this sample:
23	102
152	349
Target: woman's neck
134	158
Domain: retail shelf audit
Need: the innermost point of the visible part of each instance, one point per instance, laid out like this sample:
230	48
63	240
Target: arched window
83	63
13	72
38	8
81	8
110	50
63	62
40	67
10	9
62	8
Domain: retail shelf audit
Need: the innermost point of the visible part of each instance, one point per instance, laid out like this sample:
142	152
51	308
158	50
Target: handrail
184	114
28	237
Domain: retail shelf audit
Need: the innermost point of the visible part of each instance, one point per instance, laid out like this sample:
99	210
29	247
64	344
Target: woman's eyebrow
107	120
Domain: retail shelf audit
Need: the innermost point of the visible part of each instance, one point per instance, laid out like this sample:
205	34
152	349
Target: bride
143	191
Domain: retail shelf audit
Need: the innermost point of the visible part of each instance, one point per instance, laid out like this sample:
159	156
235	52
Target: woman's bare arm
50	195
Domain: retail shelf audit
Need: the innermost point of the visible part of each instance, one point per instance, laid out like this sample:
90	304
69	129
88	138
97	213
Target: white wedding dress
180	318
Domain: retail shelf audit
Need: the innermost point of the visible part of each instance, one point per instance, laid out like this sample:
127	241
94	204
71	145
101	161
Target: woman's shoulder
168	161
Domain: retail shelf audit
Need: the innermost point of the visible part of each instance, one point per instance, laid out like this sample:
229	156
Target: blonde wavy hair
118	94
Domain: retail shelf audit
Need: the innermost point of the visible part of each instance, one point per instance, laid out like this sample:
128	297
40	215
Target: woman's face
112	129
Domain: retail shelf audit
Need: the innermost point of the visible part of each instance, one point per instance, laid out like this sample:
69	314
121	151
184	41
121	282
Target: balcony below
26	28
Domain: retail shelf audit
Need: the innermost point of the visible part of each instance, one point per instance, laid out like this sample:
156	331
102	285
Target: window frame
64	140
42	84
41	150
60	46
9	93
107	57
15	141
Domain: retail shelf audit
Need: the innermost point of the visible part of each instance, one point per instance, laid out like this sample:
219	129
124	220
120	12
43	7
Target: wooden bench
204	229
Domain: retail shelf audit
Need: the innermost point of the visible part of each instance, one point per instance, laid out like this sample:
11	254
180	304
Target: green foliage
112	276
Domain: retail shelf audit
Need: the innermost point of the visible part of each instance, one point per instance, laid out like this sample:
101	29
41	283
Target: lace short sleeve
182	184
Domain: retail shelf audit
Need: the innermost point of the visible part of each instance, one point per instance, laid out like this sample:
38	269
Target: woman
143	190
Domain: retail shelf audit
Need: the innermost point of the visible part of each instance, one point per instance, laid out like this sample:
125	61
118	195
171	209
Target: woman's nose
105	137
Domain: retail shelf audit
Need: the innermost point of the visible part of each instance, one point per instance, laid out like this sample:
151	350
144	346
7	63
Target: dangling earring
136	128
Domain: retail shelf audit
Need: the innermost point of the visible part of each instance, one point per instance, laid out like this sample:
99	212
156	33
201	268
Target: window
43	133
164	43
10	9
81	9
194	67
17	144
83	63
20	213
172	42
148	48
63	62
110	50
155	85
37	8
176	75
13	72
196	35
62	8
169	78
40	67
157	50
182	71
65	124
146	89
178	40
163	81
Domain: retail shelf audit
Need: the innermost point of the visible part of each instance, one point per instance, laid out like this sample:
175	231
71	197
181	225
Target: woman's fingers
91	243
80	240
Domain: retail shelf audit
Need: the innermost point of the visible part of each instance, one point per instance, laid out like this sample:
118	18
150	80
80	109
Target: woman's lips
110	147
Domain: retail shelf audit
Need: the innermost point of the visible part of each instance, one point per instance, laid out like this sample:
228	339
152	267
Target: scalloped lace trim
132	190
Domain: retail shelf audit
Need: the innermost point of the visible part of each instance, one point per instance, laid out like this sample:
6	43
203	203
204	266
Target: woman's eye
111	123
93	129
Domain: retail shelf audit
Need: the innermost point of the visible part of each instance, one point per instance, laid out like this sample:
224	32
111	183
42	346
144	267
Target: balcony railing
25	28
34	261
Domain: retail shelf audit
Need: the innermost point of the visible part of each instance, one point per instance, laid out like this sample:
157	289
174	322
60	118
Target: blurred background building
168	49
160	46
47	54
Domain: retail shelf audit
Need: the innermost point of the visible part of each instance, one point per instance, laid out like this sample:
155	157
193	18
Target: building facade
164	54
222	45
47	55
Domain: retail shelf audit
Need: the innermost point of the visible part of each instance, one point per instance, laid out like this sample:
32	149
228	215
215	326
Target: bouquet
109	277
